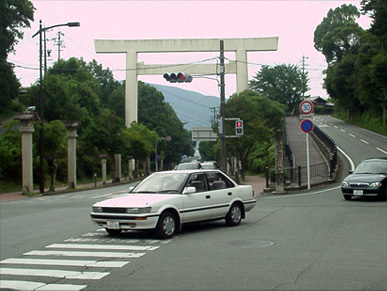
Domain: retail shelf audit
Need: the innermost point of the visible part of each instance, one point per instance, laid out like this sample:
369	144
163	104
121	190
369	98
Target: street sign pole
306	110
307	160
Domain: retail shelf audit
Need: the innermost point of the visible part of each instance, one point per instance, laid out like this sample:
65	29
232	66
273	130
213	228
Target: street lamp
41	139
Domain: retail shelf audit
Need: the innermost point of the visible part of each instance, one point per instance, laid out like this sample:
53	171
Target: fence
319	173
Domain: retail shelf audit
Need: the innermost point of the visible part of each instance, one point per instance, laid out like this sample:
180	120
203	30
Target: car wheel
113	231
347	197
234	215
166	226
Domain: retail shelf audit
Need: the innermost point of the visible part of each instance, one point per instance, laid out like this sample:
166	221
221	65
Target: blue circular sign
307	125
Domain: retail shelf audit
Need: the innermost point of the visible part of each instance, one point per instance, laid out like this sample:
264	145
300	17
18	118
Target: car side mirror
350	172
189	190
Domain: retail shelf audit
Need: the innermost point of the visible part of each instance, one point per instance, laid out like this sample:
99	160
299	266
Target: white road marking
82	263
383	151
102	247
352	135
29	285
366	142
85	254
54	273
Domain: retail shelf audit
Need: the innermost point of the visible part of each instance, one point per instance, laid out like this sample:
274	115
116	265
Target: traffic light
239	127
178	77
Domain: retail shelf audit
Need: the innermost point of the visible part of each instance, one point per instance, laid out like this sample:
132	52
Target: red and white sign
306	107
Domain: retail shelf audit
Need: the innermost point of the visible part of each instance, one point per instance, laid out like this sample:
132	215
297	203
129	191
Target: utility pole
303	75
59	43
223	161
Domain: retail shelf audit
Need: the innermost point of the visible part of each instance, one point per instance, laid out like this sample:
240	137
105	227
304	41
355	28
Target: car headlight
344	184
141	210
375	184
97	209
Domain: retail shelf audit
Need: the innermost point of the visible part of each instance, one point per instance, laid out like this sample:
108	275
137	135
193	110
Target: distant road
356	142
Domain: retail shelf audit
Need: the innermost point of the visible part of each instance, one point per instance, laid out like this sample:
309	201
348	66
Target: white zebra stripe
81	263
85	254
102	247
54	273
29	285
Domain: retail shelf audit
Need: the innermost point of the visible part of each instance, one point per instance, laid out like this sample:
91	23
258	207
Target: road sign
306	107
307	125
203	134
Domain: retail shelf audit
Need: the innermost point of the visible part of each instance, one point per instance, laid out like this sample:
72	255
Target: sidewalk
258	183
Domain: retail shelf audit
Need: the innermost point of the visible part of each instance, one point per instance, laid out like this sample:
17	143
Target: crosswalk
80	259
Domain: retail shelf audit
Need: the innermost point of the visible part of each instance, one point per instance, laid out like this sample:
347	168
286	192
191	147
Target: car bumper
124	222
376	192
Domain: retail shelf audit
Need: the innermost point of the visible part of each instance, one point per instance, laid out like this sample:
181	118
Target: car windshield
162	183
371	167
208	166
188	166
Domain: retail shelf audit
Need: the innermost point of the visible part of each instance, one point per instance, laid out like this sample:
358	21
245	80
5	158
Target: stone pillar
103	164
242	71
131	88
130	167
117	168
26	129
72	152
279	162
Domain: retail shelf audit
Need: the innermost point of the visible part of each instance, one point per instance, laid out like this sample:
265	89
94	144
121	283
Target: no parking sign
307	125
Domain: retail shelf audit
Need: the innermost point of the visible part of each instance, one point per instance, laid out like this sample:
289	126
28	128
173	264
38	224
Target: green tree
377	10
14	16
159	116
261	117
55	149
140	142
285	84
338	33
10	153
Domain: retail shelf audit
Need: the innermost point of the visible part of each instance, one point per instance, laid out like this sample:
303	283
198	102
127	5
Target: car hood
135	200
366	178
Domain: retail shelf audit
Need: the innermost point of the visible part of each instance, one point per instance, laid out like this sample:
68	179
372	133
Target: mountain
192	108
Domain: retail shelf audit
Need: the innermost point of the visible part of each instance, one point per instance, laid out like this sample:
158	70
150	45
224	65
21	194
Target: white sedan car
164	201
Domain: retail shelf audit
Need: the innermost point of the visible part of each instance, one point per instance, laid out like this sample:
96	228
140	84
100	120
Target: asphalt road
311	240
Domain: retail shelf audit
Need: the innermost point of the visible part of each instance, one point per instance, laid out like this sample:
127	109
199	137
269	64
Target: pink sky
293	22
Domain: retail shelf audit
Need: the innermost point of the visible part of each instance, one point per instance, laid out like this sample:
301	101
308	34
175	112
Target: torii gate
132	47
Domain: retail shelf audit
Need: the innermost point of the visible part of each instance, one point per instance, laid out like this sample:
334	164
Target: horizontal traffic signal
180	77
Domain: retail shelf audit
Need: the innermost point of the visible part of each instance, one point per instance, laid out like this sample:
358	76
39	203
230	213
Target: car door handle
229	193
208	196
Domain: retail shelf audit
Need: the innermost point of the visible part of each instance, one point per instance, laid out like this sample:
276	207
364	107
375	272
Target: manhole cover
252	243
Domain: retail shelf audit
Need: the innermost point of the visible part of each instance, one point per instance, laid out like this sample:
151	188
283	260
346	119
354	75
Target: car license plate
358	192
113	224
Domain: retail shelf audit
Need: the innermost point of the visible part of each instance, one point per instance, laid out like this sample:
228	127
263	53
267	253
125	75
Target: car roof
376	159
189	171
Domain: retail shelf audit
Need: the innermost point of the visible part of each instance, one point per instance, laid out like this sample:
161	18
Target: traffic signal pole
223	162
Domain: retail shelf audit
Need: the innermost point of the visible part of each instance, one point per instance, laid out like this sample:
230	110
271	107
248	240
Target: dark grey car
368	179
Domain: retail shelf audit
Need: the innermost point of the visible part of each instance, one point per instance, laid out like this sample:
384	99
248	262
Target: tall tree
338	33
14	16
285	84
